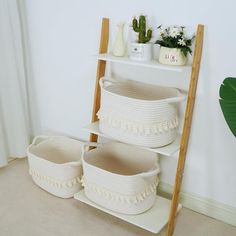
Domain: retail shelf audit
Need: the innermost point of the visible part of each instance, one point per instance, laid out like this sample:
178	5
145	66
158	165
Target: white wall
64	34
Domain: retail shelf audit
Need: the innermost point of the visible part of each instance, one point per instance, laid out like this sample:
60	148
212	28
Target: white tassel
165	126
69	184
155	129
51	181
160	128
134	127
112	196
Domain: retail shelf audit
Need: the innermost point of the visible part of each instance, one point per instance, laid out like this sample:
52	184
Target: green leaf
228	89
184	50
228	102
160	42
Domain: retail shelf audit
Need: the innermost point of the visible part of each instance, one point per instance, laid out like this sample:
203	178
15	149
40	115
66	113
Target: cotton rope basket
138	113
55	164
120	177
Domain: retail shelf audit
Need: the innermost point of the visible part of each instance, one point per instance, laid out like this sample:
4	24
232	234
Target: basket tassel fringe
59	184
139	128
130	199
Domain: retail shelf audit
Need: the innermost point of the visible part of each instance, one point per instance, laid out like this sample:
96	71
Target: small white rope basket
138	113
120	177
55	164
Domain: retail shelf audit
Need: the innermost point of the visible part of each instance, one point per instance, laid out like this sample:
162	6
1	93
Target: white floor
26	210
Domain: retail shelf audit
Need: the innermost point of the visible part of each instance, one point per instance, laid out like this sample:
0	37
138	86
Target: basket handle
151	173
104	81
180	98
74	163
38	139
89	144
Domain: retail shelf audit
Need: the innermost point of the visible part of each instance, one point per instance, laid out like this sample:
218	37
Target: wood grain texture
101	67
186	128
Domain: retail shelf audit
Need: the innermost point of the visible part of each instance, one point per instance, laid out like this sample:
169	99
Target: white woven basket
55	164
120	177
138	113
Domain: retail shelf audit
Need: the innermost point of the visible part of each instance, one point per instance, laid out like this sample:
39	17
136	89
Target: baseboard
203	205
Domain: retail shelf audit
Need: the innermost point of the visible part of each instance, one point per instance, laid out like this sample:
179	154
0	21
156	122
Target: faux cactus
140	27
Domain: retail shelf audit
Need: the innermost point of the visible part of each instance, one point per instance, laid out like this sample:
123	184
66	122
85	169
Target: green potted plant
174	45
141	50
228	102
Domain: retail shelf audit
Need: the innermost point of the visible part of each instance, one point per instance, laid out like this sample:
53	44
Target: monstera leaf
228	102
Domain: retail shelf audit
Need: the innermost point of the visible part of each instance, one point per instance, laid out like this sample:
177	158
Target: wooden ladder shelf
188	112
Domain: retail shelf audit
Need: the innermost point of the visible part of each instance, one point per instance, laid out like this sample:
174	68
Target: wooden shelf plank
153	220
101	68
148	64
186	128
168	150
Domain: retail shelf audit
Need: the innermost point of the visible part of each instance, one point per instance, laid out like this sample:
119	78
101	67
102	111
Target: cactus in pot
141	50
140	28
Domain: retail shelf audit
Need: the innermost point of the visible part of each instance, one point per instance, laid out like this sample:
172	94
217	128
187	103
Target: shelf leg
101	67
186	129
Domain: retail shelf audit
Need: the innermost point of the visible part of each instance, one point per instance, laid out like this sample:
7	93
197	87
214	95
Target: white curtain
14	97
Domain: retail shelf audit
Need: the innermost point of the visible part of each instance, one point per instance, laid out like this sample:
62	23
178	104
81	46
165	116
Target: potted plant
141	50
174	45
228	102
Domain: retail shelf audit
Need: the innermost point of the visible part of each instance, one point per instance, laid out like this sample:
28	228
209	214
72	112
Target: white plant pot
156	51
172	56
141	51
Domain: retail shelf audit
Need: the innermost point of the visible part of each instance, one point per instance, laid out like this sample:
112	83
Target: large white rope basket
55	164
120	177
138	113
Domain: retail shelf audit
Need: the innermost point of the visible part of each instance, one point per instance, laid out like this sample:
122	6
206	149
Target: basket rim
30	154
154	167
180	96
115	174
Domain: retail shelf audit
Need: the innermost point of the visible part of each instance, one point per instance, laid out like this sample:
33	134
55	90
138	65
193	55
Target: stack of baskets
120	177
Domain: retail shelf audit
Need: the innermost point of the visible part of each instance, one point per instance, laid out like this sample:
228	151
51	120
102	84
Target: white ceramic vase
172	56
141	51
119	45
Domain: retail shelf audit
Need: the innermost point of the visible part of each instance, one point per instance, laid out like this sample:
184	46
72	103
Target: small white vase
141	51
119	45
172	56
